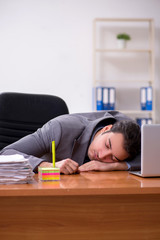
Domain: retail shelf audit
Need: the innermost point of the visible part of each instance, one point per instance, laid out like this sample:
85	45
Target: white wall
46	45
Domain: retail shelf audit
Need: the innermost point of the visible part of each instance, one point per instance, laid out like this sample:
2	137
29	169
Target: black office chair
23	113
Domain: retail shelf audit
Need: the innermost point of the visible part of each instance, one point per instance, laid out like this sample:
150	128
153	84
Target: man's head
116	142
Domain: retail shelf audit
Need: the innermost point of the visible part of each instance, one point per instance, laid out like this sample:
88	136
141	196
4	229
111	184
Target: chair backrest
23	113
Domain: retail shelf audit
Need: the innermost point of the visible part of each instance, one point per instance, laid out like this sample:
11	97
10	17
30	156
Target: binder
149	99
142	121
149	121
99	98
105	98
143	98
138	120
111	98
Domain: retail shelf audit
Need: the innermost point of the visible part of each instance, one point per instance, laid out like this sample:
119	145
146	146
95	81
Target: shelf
123	19
125	50
138	112
126	81
126	69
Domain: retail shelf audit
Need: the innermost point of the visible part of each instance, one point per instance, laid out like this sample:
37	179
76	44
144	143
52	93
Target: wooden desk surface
86	206
87	183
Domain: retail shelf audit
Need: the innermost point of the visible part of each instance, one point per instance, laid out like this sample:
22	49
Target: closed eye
114	158
107	146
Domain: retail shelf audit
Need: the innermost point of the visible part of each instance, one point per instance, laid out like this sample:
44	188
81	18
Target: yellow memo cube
49	174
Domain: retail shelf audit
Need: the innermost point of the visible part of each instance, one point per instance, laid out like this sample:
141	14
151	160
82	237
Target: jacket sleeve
36	145
135	164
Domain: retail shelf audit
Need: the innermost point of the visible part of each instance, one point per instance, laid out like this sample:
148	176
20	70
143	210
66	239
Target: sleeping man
96	141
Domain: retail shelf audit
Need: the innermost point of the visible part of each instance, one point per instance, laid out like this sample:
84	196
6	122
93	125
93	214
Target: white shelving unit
125	69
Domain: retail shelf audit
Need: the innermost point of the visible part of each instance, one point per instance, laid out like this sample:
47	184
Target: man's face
107	147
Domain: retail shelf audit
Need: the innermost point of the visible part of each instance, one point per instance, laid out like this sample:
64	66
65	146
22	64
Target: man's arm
101	166
134	164
36	145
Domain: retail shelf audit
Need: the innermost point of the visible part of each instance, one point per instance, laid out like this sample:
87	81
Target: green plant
123	36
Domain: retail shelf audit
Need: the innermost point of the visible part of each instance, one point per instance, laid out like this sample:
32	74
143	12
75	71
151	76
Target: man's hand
101	166
67	166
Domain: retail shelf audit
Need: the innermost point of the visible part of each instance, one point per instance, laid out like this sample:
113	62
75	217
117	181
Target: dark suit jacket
71	133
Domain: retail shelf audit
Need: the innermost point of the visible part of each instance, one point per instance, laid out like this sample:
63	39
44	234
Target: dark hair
132	136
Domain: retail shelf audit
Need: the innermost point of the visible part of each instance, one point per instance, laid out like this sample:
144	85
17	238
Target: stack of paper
15	169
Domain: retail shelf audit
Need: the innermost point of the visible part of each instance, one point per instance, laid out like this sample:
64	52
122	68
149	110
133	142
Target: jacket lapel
80	147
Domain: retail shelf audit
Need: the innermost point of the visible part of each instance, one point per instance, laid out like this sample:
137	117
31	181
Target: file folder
149	121
105	98
149	99
111	98
142	121
143	98
99	98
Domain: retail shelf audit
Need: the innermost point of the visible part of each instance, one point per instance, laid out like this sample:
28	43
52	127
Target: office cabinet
127	69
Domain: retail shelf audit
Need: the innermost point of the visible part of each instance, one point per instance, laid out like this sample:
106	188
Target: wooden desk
87	206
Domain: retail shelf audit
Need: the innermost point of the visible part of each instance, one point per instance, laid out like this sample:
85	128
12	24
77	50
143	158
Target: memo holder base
48	174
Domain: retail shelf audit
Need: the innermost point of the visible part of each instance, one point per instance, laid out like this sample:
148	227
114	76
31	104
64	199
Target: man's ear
106	128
